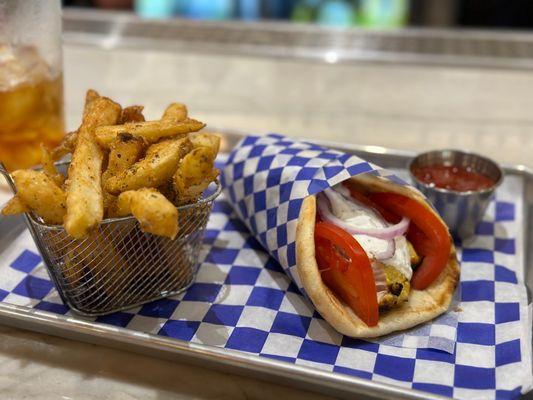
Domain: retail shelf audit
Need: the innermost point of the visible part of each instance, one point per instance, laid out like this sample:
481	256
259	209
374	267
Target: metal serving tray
332	384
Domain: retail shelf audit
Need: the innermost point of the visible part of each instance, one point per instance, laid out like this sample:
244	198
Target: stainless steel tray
332	384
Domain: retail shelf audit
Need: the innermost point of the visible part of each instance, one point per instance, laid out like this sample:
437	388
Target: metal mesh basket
118	266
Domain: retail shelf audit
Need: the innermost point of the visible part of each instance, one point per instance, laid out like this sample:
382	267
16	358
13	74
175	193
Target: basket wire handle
7	175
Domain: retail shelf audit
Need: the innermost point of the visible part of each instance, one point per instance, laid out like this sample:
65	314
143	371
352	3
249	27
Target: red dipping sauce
452	177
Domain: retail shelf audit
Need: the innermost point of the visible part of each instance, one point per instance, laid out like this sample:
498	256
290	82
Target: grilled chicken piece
398	287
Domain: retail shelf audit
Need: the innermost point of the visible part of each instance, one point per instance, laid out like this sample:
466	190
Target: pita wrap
421	306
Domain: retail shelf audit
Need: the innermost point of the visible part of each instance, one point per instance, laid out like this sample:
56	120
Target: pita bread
422	305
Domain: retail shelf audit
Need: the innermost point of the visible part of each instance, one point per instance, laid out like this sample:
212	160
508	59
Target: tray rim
211	357
246	364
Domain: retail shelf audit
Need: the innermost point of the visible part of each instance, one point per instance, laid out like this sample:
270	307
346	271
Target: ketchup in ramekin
459	184
452	177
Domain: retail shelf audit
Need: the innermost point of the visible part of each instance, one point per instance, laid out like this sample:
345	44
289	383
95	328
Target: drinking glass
31	80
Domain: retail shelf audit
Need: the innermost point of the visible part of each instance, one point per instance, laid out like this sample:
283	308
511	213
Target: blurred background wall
342	13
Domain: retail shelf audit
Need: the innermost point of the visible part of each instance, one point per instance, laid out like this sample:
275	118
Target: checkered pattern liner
243	300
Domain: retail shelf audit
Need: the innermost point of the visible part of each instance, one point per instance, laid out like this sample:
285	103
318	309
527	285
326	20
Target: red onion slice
391	245
379	277
385	233
339	191
327	215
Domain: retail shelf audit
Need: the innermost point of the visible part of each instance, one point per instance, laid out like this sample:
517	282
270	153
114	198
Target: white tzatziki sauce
364	218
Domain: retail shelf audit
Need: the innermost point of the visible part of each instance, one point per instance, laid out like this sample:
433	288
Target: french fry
132	114
154	212
97	260
124	152
90	96
176	112
41	195
167	190
194	174
151	161
15	206
205	139
85	207
156	168
151	131
110	205
49	167
121	165
67	145
72	271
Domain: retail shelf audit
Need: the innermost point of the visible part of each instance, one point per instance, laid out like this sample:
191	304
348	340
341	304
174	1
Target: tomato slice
434	241
345	269
419	240
363	199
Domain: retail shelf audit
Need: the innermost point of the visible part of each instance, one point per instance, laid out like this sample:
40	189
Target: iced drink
31	106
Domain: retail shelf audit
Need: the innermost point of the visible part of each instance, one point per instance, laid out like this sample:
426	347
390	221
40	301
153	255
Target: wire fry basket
118	266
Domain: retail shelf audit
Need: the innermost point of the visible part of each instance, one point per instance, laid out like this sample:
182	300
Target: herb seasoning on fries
121	165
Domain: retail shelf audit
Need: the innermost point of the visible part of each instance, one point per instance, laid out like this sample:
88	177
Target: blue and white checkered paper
242	300
267	178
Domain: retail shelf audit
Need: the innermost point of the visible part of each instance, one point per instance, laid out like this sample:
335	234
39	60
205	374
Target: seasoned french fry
40	194
124	152
49	167
205	139
151	131
154	212
121	164
194	174
15	206
110	205
157	167
67	145
90	96
176	112
85	207
73	271
97	260
132	114
167	190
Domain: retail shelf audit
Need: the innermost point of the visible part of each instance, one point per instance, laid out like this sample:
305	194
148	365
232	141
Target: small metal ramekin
461	211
